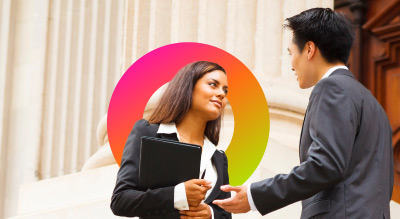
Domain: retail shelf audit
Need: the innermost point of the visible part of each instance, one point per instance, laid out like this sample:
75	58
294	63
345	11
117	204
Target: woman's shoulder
221	157
143	127
220	154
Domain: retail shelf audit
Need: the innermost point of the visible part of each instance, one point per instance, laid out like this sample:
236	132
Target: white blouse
180	200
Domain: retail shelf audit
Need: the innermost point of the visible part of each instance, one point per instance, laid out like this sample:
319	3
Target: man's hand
198	212
236	204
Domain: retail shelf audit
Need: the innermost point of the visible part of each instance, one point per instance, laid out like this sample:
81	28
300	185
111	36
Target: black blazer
128	200
346	156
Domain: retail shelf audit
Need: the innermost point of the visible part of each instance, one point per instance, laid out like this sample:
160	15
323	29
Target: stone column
82	68
23	98
60	61
7	36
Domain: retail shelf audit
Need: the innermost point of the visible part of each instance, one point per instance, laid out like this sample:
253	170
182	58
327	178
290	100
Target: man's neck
325	68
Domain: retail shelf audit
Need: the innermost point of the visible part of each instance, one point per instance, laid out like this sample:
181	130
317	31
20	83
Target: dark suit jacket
346	156
128	200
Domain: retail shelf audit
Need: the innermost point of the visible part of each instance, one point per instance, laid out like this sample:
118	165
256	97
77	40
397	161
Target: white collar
167	128
329	72
208	147
208	151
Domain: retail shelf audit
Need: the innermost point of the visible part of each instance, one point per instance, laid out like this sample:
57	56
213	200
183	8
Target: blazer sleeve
332	128
220	213
127	199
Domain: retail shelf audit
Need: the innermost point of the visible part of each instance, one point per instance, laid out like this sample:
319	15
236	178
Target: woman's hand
200	211
196	190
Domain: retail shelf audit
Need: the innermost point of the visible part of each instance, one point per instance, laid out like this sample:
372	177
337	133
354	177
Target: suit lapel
219	166
302	129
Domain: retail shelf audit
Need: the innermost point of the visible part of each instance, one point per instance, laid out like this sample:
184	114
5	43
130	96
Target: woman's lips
217	103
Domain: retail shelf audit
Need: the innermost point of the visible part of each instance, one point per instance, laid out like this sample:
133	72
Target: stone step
88	194
93	209
69	190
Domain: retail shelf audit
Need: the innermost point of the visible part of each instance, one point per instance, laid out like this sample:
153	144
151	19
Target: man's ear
311	49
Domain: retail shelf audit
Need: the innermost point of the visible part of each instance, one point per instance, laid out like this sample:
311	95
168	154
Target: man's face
301	65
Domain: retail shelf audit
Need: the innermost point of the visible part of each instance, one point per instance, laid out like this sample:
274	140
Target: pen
202	175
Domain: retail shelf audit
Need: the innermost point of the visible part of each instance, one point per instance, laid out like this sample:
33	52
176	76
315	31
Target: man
346	156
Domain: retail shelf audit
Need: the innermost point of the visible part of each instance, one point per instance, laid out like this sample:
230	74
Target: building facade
60	61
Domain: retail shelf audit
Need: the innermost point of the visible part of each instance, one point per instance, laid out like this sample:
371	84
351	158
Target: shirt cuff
212	212
250	198
180	200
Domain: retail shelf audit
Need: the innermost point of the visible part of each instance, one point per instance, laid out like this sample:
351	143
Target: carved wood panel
375	59
382	46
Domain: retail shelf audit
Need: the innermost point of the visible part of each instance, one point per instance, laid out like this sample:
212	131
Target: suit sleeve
220	213
127	199
332	128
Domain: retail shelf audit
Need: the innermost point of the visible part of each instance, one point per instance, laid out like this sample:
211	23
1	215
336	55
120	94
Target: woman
189	111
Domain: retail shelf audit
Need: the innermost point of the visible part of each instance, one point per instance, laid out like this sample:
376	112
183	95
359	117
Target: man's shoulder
340	76
329	85
343	81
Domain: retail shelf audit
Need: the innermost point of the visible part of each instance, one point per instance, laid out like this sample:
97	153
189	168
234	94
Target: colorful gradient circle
146	75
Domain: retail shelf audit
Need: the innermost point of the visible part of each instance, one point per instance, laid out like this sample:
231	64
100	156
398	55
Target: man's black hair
331	32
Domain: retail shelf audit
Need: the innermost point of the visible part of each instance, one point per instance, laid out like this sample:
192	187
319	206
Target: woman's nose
220	93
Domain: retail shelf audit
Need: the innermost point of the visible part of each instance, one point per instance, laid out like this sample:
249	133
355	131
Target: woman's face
209	95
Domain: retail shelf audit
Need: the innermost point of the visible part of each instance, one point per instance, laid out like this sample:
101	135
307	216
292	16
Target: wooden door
375	59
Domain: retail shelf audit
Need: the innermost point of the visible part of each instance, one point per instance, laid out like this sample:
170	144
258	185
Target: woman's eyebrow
217	82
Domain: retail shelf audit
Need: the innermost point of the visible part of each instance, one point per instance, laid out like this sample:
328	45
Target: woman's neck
191	129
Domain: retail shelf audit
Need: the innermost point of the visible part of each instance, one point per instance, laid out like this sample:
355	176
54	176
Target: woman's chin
214	116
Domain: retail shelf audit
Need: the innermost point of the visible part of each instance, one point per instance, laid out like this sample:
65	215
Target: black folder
167	163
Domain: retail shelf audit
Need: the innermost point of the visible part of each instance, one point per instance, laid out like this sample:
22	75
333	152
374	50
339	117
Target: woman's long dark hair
177	98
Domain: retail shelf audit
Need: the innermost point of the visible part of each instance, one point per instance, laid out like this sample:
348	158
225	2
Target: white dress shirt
180	199
249	196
